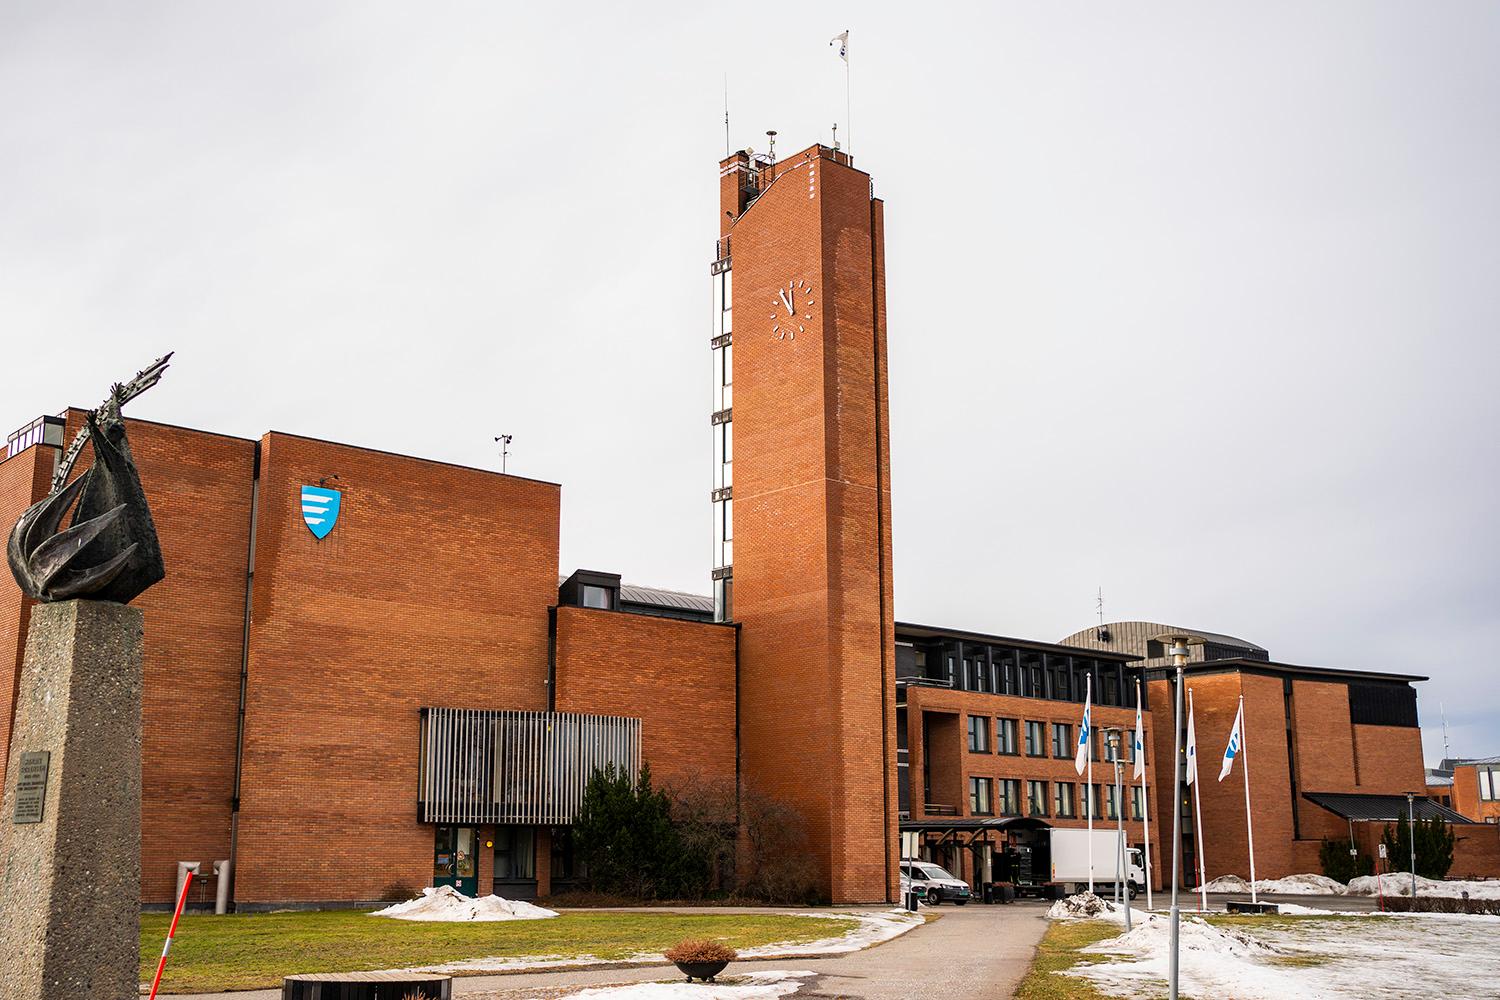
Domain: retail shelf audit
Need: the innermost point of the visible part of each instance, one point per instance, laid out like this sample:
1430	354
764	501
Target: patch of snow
1083	905
1291	885
1399	884
1408	955
769	985
447	903
874	927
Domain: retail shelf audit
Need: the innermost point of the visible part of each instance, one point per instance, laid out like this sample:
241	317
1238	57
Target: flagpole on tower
842	41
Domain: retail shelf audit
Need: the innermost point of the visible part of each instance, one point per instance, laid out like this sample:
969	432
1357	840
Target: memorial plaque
31	786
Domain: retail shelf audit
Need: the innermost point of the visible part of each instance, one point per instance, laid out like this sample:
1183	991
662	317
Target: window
594	597
979	734
1005	736
979	797
1036	798
1096	799
1062	739
1489	783
515	853
1137	802
1036	739
1010	797
1062	800
1111	802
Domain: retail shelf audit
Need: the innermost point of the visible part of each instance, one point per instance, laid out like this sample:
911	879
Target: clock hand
786	301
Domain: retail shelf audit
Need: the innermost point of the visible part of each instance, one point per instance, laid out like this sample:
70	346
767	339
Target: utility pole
1411	836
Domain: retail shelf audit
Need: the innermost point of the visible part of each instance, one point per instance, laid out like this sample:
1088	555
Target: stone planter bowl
705	971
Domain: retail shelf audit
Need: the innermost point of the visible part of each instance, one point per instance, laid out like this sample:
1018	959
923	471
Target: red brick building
363	674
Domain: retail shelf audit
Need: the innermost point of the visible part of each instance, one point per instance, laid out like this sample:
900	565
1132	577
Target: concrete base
71	886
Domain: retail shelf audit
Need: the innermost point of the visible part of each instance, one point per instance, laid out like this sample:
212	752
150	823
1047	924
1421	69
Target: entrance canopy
974	825
1381	808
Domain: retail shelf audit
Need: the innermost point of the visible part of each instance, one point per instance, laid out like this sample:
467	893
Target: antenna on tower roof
1102	633
1447	755
728	151
771	134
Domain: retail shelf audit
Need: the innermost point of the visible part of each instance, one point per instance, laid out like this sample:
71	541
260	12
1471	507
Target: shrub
775	864
690	951
1434	839
397	892
1340	865
628	843
1440	904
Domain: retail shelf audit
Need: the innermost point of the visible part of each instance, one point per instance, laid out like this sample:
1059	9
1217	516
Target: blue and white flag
1085	730
1139	746
842	41
320	509
1236	743
1192	747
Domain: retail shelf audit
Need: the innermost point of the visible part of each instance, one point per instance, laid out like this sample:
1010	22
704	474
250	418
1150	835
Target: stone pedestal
70	843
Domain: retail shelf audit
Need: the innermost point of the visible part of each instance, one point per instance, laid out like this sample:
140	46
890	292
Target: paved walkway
973	951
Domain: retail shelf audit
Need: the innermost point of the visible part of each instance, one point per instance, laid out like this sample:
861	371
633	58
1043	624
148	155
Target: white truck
1070	861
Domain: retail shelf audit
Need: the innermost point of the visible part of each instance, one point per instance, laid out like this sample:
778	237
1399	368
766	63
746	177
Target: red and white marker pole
171	933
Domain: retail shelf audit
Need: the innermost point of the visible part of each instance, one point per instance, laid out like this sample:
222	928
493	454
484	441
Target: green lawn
1060	949
254	951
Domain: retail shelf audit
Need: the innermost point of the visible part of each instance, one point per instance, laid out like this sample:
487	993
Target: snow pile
874	927
1291	885
447	903
1378	958
1399	884
1083	905
750	986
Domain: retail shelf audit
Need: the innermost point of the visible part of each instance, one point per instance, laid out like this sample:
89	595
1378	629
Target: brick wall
676	676
812	572
432	589
23	481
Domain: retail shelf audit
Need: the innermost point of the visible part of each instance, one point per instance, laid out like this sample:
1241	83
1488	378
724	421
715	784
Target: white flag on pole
1192	748
1236	743
1084	731
842	41
1139	747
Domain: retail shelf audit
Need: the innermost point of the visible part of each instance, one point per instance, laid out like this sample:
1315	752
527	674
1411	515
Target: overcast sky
1194	302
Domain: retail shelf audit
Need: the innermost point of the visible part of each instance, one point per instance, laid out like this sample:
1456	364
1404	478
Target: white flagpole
1198	816
1249	822
848	107
1145	807
1088	789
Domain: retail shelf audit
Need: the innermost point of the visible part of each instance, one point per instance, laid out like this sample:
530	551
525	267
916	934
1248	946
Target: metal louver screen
487	766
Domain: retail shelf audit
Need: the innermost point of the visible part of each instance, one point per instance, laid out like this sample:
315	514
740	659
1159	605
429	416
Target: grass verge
1060	949
254	951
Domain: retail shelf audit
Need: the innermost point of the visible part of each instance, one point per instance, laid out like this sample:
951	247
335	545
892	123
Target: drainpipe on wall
239	737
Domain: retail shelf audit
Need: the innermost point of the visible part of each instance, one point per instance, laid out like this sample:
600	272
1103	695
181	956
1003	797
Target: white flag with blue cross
1236	743
1086	729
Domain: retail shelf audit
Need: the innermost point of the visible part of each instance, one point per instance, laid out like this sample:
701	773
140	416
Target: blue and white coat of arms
320	509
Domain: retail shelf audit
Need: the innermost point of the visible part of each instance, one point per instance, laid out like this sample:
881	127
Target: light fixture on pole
1179	654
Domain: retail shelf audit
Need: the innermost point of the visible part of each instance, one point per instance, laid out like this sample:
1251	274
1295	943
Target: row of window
1002	796
1056	678
1062	744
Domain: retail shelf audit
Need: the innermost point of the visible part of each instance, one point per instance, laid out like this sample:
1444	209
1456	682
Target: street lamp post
1122	894
1179	653
1411	837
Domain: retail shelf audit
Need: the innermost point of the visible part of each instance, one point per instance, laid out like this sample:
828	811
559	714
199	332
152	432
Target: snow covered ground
1400	885
447	903
1372	955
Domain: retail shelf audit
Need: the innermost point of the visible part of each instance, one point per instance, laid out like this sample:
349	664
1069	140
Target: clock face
791	309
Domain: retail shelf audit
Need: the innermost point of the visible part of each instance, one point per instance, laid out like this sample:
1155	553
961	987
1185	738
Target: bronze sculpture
110	552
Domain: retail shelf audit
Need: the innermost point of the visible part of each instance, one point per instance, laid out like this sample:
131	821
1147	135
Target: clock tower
802	502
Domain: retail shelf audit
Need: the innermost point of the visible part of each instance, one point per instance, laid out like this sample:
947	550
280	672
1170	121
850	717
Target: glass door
454	859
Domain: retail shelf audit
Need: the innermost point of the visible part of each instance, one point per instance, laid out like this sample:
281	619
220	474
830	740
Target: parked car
933	884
